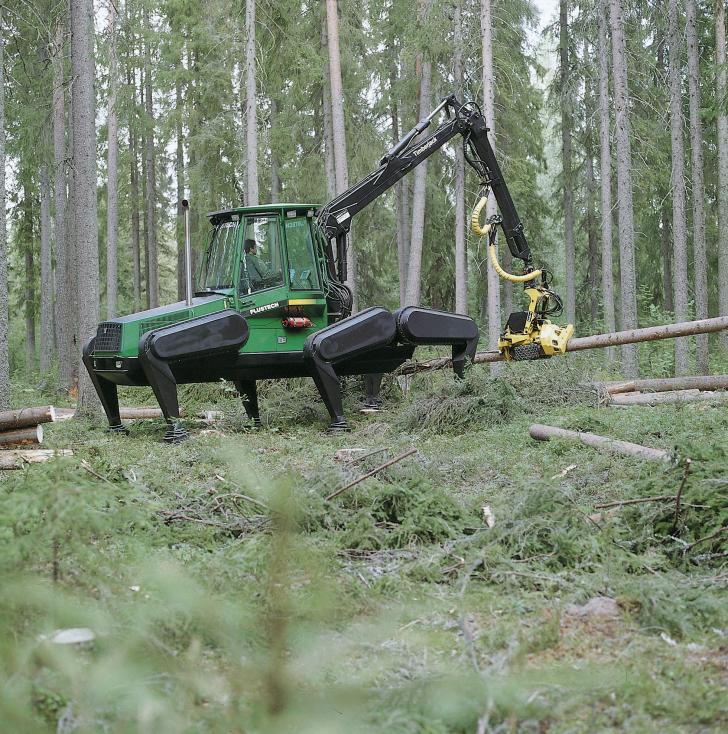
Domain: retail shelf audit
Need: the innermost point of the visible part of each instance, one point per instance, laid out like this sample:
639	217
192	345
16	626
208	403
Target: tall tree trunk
85	227
46	269
493	297
338	126
666	257
275	179
179	170
566	150
112	185
419	193
134	194
696	149
151	176
721	89
63	315
399	200
327	122
461	253
679	224
591	224
625	211
29	277
4	313
251	122
605	176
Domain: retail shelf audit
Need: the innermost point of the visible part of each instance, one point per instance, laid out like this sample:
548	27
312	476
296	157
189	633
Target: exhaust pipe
188	254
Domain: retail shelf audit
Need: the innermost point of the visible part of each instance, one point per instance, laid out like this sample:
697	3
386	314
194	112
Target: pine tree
4	313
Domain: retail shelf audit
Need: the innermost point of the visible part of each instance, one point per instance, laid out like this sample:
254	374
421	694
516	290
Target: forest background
609	119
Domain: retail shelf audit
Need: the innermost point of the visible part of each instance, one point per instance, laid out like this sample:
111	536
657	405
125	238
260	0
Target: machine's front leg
248	391
373	385
106	391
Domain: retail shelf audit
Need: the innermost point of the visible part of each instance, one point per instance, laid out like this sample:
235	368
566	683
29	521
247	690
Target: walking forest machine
270	300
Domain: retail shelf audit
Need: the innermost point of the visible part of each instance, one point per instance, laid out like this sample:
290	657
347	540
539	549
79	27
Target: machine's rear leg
106	391
368	330
248	391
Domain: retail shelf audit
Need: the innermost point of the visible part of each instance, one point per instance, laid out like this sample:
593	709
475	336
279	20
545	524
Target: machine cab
270	263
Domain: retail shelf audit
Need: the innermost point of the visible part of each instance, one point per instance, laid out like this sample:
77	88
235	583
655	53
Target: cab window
302	269
261	266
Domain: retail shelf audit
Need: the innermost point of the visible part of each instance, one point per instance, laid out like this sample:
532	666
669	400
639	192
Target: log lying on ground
26	417
601	443
131	414
660	398
18	458
597	341
22	436
699	382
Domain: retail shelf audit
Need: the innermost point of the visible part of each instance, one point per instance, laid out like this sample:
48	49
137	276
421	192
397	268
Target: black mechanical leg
373	384
161	380
105	390
364	332
417	325
248	391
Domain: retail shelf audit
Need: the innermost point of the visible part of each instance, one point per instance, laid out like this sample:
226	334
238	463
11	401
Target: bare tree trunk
722	125
419	193
569	257
134	196
179	170
591	187
112	185
605	171
46	269
399	201
696	148
461	253
327	122
679	228
275	179
251	122
493	297
85	228
666	257
338	126
29	277
151	177
63	305
625	212
4	313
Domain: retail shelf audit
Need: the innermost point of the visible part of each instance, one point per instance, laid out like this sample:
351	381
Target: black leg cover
105	390
363	332
248	390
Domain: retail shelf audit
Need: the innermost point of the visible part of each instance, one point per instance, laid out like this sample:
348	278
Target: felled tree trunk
709	382
26	417
601	443
22	436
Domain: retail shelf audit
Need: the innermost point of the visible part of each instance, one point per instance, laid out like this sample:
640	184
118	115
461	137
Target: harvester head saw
528	334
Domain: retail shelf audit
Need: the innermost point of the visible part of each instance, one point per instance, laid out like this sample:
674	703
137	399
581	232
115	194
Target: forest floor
446	594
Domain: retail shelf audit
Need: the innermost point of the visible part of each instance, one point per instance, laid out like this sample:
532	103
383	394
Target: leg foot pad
175	433
120	429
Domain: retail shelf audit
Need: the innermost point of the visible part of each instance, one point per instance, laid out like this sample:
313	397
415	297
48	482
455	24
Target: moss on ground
226	594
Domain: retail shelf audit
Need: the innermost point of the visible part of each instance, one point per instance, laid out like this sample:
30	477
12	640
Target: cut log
699	382
18	458
601	443
660	398
131	414
26	417
597	341
22	436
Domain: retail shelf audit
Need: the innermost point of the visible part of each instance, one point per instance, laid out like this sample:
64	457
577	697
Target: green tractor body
286	278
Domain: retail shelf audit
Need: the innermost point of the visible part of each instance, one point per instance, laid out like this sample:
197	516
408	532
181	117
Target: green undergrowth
225	593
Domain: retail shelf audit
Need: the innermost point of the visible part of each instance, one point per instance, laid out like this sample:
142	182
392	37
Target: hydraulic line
483	231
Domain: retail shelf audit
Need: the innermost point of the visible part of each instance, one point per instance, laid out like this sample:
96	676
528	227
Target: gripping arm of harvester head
528	334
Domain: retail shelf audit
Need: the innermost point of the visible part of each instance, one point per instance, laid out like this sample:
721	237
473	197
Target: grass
226	595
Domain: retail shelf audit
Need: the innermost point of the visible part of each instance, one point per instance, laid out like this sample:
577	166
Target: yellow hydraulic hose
482	232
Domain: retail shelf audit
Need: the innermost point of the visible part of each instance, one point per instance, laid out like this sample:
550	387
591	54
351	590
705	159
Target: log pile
24	427
667	390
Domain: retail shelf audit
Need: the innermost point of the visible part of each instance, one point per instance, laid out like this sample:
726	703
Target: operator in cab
256	269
